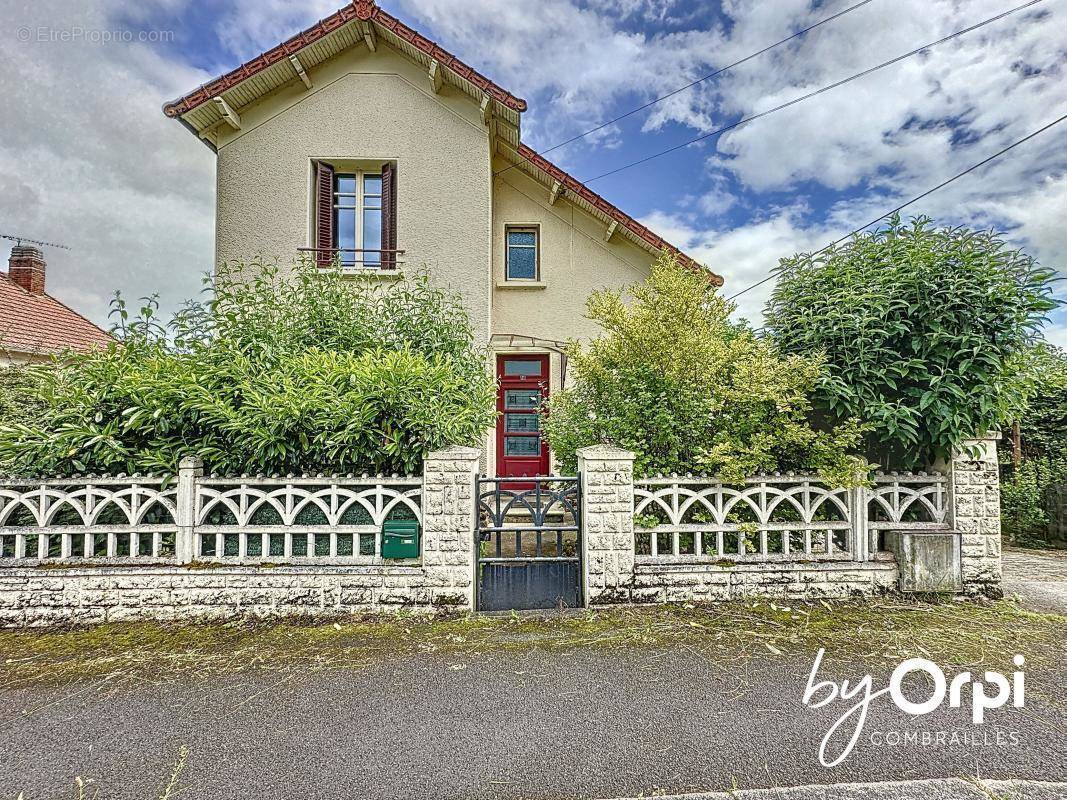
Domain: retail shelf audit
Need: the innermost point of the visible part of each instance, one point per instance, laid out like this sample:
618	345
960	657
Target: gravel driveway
1037	577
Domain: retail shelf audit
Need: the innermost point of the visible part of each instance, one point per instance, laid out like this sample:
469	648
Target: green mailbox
400	538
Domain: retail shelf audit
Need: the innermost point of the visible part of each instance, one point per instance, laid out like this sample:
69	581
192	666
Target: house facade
363	141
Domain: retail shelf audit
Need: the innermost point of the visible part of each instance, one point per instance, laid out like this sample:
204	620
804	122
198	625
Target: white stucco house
362	140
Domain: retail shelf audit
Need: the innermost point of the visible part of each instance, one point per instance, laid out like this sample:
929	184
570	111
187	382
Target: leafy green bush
924	332
305	372
689	391
19	394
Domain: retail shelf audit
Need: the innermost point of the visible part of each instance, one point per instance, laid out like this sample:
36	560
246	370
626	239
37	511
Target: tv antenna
18	240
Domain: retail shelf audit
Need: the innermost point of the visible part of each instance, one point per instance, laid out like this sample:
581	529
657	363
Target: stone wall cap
995	436
454	452
604	451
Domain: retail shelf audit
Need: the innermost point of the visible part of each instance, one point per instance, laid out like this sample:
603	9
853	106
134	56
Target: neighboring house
33	325
361	139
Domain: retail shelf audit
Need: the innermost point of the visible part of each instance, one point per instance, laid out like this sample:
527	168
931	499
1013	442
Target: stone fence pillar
190	470
448	524
607	475
974	497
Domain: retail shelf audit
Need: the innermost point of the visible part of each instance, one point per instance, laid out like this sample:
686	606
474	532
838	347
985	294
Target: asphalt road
499	725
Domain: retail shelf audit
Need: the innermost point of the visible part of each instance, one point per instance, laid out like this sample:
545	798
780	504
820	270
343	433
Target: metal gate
529	543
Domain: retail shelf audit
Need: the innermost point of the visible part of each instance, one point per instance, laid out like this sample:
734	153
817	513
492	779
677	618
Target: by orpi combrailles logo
864	694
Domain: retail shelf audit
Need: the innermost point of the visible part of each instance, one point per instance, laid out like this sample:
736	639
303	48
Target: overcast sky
88	159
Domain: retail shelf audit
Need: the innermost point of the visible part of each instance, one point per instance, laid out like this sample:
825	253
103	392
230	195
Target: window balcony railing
356	258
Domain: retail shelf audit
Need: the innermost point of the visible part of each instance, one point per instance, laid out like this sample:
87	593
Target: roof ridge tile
360	9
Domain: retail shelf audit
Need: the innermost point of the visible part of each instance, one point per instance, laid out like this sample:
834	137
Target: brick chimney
26	268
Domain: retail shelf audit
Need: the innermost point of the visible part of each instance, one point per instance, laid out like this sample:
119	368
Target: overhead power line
915	199
809	95
690	85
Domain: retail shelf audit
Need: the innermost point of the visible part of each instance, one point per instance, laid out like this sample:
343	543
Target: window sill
521	285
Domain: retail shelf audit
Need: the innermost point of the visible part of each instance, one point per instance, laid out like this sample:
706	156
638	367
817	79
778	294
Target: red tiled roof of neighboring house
38	324
363	10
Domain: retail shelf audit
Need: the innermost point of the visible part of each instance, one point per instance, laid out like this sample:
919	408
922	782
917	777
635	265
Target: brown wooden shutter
388	216
324	255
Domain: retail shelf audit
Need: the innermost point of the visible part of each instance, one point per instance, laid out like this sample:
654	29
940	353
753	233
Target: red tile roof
572	184
360	9
38	324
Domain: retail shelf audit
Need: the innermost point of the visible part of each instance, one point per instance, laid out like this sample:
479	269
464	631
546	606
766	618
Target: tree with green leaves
925	333
689	391
305	372
1043	420
1026	484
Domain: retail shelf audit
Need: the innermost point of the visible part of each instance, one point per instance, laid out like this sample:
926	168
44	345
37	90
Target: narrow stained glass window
522	445
522	398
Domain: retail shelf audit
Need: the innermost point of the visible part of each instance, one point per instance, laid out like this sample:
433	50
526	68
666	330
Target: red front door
523	387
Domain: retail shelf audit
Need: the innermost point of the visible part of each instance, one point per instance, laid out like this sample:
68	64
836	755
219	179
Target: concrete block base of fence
703	583
30	597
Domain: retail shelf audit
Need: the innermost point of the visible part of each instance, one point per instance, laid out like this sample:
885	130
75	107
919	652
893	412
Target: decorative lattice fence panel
303	518
780	517
120	518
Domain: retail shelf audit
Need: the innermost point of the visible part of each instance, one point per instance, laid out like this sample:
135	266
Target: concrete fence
195	545
115	548
789	536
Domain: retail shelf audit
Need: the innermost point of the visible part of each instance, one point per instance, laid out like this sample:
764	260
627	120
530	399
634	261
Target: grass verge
949	632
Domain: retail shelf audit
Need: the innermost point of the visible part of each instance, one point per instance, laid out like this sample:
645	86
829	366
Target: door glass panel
522	398
522	423
522	445
515	366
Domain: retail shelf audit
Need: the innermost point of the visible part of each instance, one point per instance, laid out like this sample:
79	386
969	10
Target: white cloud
889	134
743	255
579	61
88	159
248	27
1057	335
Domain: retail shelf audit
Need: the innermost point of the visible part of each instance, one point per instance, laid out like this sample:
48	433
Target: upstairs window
356	217
522	259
